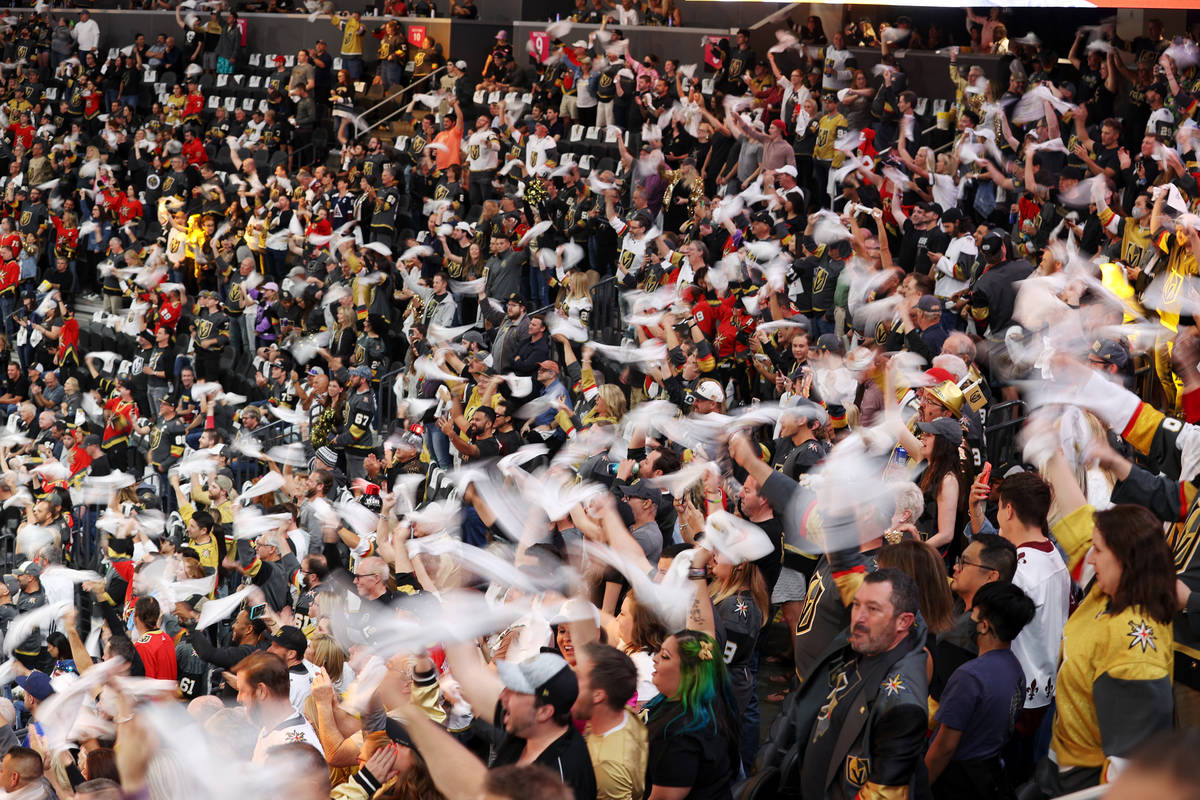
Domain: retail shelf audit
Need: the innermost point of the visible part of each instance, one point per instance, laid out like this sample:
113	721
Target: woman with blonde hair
577	301
324	651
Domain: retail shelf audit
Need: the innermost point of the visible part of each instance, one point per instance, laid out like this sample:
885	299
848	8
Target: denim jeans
439	447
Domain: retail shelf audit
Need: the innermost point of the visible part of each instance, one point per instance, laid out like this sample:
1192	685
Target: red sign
416	35
711	51
539	45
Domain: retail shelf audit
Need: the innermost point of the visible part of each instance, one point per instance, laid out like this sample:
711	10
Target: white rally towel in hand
219	609
41	617
270	482
736	539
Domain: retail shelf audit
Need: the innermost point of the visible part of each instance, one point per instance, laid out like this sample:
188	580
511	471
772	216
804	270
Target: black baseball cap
291	638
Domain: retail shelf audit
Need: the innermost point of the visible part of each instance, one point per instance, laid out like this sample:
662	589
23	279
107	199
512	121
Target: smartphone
985	474
258	611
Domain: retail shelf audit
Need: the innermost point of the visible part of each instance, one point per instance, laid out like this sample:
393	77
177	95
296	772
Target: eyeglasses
961	562
361	575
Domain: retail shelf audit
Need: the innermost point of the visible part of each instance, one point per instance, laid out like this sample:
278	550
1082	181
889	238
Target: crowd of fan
491	460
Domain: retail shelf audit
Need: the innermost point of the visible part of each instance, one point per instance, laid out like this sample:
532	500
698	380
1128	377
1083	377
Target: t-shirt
651	540
567	757
982	699
700	759
619	758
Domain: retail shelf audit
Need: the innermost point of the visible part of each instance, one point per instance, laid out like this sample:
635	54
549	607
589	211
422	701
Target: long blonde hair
744	577
328	653
614	400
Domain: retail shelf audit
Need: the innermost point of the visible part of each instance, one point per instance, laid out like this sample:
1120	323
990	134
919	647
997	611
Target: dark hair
1030	498
123	648
999	554
59	642
147	611
204	520
612	671
668	461
26	763
1134	536
922	563
648	630
488	412
318	565
672	550
521	782
904	597
1005	607
266	669
325	478
102	764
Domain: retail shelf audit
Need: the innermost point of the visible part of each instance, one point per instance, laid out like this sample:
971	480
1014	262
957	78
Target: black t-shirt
770	564
567	756
510	441
18	387
701	759
488	448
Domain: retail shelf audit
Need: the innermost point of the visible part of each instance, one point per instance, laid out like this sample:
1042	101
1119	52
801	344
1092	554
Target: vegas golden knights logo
819	280
26	218
204	330
816	590
857	770
1183	537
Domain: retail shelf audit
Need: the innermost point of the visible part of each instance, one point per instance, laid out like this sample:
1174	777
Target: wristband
697	574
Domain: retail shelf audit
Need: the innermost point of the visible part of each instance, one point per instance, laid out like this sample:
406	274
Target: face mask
1138	212
974	634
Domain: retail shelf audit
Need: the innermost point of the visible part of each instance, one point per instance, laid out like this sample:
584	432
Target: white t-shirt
1041	574
300	686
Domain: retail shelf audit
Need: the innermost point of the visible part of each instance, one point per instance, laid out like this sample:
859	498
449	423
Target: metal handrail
389	99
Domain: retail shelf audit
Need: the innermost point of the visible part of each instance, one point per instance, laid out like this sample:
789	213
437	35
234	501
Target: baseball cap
709	389
945	427
361	372
501	34
224	482
280	60
270	286
930	207
786	170
546	676
1109	351
315	371
929	303
460	64
91	440
779	124
36	684
515	298
473	337
992	244
291	638
829	343
953	215
28	568
640	490
551	366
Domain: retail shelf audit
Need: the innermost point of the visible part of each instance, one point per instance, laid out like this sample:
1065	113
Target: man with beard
317	487
358	437
263	688
314	569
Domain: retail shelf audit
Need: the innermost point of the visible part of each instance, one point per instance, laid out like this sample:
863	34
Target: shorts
790	588
224	66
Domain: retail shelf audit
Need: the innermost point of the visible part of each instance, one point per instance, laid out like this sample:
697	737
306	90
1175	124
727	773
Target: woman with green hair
692	733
